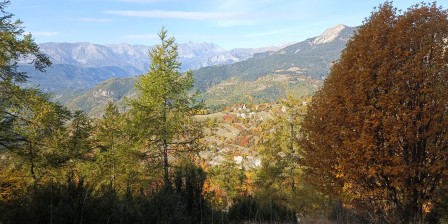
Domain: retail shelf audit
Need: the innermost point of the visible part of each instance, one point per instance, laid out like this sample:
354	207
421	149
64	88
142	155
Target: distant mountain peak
329	34
195	50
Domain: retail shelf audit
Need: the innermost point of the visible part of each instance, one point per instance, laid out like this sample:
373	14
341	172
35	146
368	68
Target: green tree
77	141
163	111
41	125
116	161
231	181
280	179
55	141
14	45
31	127
376	134
37	137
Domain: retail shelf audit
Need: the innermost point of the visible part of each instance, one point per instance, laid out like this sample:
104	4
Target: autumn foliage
376	134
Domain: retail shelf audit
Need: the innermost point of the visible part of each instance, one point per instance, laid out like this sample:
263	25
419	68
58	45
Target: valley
289	119
107	73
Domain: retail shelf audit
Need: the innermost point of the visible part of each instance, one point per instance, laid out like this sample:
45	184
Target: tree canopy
376	134
163	110
15	45
37	136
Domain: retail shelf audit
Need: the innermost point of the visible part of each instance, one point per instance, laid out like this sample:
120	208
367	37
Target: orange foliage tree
376	134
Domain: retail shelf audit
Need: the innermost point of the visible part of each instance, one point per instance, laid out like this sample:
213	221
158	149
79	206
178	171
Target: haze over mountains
225	77
193	55
80	66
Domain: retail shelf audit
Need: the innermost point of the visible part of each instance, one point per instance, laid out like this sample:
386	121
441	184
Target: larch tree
116	162
163	112
15	45
280	177
376	135
279	149
40	125
77	142
31	127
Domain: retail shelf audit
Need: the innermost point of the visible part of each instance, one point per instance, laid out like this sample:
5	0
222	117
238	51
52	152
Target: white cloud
180	14
45	34
221	19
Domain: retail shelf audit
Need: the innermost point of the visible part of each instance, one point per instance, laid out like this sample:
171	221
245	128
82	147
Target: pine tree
31	127
280	178
163	111
14	45
116	161
42	126
77	142
279	147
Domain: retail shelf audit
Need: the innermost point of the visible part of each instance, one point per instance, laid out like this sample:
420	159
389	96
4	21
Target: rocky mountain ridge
80	66
297	69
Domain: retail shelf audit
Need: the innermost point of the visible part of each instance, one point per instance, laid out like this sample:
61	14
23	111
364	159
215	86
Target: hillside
234	133
264	89
80	66
297	69
94	100
66	79
312	57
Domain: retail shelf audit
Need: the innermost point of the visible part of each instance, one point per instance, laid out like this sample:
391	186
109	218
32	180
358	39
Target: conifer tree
163	111
14	45
280	177
41	125
116	162
279	147
376	134
31	127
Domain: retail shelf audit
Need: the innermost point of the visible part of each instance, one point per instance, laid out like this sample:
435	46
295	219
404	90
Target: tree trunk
165	163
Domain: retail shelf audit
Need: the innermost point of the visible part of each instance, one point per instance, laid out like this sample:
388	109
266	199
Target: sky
227	23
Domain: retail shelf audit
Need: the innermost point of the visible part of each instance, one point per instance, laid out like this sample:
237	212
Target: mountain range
224	77
80	66
309	58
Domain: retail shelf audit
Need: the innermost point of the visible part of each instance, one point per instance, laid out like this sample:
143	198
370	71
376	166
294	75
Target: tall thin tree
163	111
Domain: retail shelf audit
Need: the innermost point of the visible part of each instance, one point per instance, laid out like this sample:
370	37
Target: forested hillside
297	69
310	58
78	67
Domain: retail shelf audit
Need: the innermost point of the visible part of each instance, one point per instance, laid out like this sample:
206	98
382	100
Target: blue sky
228	23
